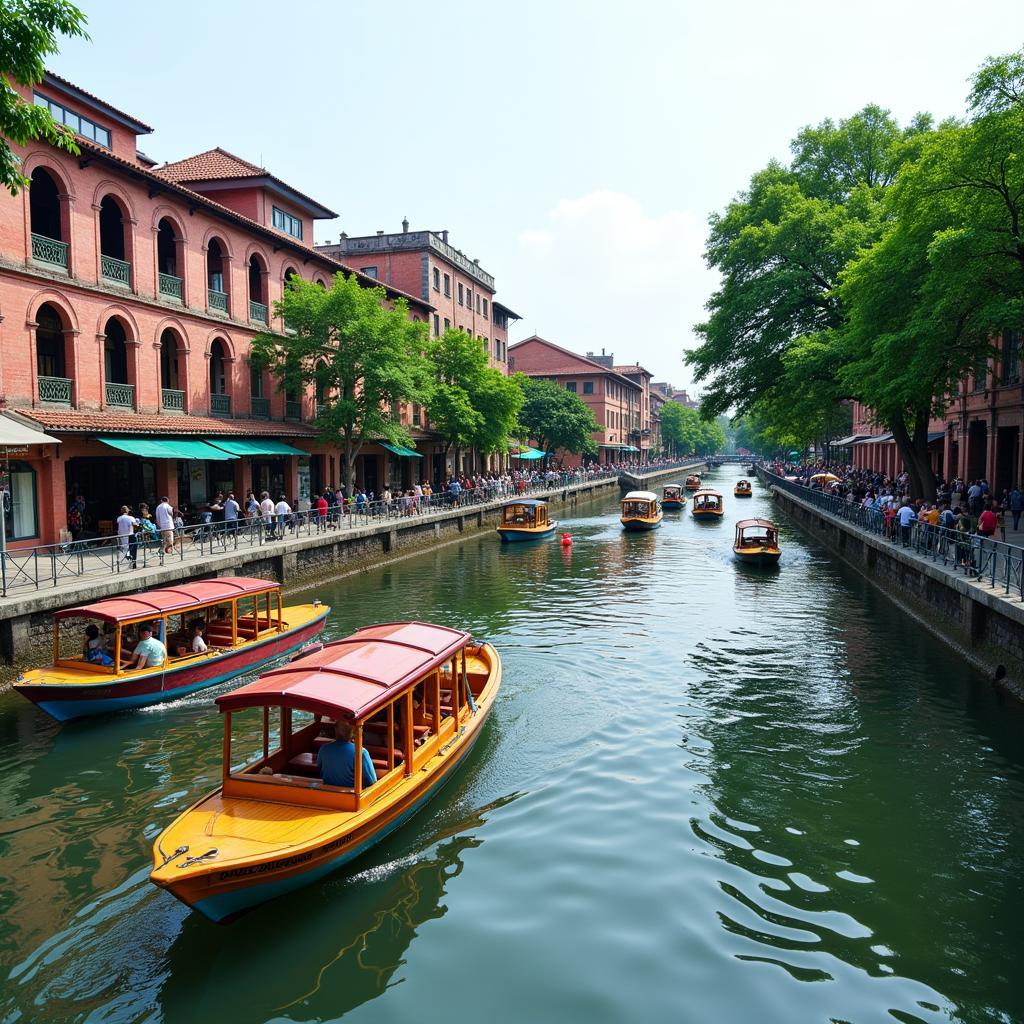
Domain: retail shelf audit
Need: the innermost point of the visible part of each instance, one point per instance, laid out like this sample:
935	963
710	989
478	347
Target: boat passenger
198	643
94	651
149	652
337	761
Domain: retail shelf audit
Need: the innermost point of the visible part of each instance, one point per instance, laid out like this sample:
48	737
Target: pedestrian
906	518
1016	506
127	542
267	512
283	511
165	524
321	513
77	517
231	510
217	511
987	522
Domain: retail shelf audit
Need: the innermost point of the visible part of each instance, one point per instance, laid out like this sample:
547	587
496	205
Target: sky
575	148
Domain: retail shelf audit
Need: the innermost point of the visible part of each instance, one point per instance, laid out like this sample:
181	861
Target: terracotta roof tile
208	166
72	420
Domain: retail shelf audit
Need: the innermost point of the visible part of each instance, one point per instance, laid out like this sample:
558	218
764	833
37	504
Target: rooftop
137	126
569	368
74	421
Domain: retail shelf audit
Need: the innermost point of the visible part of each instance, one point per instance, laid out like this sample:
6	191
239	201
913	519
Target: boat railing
997	563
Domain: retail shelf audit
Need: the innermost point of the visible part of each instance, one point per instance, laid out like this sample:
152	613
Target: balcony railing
55	389
257	312
116	271
260	408
50	251
122	396
171	286
220	405
293	410
217	300
172	399
322	405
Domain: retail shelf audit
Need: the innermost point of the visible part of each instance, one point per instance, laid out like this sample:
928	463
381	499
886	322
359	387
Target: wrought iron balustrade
217	300
172	399
261	408
171	286
322	406
257	312
116	271
293	410
220	405
50	251
121	395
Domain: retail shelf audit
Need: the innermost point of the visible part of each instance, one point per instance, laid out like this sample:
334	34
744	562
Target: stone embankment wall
981	623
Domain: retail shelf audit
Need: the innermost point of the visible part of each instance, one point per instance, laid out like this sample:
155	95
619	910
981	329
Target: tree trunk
350	466
914	450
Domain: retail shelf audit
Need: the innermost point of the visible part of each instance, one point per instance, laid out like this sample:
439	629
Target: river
706	794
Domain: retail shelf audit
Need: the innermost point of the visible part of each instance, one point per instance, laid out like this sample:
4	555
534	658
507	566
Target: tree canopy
685	432
556	418
28	35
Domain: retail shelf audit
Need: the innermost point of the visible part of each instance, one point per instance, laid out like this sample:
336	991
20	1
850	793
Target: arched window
167	243
288	275
216	276
51	357
114	265
48	243
257	290
220	396
119	391
172	372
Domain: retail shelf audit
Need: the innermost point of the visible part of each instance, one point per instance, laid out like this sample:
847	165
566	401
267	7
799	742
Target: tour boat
526	520
707	504
640	511
693	482
672	497
743	489
757	542
244	625
416	696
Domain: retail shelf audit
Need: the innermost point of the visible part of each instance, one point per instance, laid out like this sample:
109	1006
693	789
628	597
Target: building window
980	373
469	298
21	519
486	345
447	323
1011	356
460	296
287	223
485	309
478	302
78	124
417	416
437	280
588	387
447	286
369	272
570	385
437	325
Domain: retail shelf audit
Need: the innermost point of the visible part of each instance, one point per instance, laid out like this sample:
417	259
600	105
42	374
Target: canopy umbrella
528	453
830	477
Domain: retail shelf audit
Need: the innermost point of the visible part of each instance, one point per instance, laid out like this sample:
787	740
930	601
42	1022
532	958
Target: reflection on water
708	792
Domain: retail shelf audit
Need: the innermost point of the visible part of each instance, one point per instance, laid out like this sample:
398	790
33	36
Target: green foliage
556	418
28	35
685	432
362	351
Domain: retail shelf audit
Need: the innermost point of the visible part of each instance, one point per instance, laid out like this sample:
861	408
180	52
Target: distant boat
672	497
640	511
526	520
757	542
693	482
707	504
742	489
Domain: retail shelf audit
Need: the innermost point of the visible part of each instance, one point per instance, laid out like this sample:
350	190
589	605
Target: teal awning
166	448
257	446
397	449
629	448
529	453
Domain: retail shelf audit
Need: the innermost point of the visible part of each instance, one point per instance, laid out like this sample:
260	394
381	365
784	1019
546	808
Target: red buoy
566	540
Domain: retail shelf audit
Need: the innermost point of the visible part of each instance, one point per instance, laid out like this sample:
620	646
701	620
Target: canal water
706	794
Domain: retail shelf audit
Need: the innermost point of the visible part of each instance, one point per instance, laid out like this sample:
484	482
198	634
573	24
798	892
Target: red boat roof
353	677
169	599
744	523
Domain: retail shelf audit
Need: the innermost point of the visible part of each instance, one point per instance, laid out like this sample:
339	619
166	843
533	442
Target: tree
358	349
28	35
686	432
556	418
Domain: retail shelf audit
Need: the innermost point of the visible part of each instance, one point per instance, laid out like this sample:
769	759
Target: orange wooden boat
742	489
417	697
693	482
757	542
707	504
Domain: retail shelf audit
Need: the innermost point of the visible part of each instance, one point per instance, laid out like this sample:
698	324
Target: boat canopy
170	599
709	491
527	503
745	524
353	677
641	496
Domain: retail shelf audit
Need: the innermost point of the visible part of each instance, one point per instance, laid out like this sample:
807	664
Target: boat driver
337	761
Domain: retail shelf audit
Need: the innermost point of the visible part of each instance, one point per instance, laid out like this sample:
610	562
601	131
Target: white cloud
602	272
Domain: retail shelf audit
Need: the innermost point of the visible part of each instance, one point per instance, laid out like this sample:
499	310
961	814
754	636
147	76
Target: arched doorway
48	243
220	395
257	290
167	242
172	372
114	265
51	357
120	394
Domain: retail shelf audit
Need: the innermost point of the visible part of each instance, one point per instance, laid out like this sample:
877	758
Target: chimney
444	235
476	262
405	225
379	232
344	235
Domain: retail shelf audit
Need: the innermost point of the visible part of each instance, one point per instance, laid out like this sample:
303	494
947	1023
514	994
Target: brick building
129	296
614	398
640	427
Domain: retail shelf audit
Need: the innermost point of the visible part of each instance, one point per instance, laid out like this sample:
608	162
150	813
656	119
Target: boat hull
80	700
698	514
637	525
510	535
672	505
758	557
742	494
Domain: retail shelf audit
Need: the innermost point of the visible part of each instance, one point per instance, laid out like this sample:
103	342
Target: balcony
120	396
321	407
217	300
171	287
55	389
116	271
257	312
220	405
50	251
260	408
172	400
293	410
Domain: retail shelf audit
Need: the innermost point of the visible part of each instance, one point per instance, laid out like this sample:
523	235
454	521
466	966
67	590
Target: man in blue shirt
337	761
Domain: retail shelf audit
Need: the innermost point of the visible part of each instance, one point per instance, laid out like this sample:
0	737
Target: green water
706	794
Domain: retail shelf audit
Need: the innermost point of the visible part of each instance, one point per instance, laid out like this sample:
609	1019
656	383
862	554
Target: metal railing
49	565
292	410
171	286
257	312
217	300
50	250
260	408
115	271
171	398
55	389
121	395
994	562
220	405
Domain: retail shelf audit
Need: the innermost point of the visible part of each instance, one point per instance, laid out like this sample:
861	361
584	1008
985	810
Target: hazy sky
575	148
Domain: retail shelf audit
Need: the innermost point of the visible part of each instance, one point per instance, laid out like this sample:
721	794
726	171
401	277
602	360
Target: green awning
529	453
257	446
397	449
630	448
166	448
